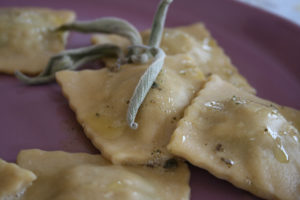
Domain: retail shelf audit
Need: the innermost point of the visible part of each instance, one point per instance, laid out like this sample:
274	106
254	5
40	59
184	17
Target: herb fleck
219	148
150	165
228	162
174	119
171	164
157	151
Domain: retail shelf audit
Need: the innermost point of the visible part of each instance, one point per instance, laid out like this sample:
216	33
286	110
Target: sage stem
159	23
34	80
71	59
108	25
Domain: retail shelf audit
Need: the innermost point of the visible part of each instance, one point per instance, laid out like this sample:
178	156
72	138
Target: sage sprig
144	85
71	59
159	23
110	25
149	76
74	58
137	53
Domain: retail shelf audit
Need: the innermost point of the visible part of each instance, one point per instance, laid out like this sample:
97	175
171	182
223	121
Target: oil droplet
294	133
183	139
214	105
278	128
280	154
104	126
238	100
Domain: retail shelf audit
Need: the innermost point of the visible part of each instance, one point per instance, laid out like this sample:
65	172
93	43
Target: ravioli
77	176
195	41
13	180
27	38
243	139
100	100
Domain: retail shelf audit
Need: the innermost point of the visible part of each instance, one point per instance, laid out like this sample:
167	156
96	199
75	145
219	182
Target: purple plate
265	48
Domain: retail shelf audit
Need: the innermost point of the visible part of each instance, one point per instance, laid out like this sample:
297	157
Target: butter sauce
106	127
77	176
26	32
31	23
276	125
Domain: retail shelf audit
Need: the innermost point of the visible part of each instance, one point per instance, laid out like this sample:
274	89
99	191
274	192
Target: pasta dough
100	100
243	139
195	41
13	180
77	176
27	39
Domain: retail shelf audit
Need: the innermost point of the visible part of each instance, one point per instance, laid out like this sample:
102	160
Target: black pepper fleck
219	148
155	86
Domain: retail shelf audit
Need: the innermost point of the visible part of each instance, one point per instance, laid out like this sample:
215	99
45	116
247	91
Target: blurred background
289	9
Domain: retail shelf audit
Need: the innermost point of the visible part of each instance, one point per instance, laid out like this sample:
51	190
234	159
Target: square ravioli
195	41
100	100
13	180
251	142
27	38
77	176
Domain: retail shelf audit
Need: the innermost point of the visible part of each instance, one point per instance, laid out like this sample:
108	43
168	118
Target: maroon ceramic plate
265	48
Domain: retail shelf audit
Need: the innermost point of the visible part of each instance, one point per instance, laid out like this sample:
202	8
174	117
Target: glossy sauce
27	32
104	125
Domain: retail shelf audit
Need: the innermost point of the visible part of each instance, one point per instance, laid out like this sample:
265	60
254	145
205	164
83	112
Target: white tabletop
289	9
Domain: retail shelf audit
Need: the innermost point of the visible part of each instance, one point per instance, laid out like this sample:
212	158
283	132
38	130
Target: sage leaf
144	86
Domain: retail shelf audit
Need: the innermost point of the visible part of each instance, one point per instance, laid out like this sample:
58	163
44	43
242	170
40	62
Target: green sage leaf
109	25
144	86
71	59
159	23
